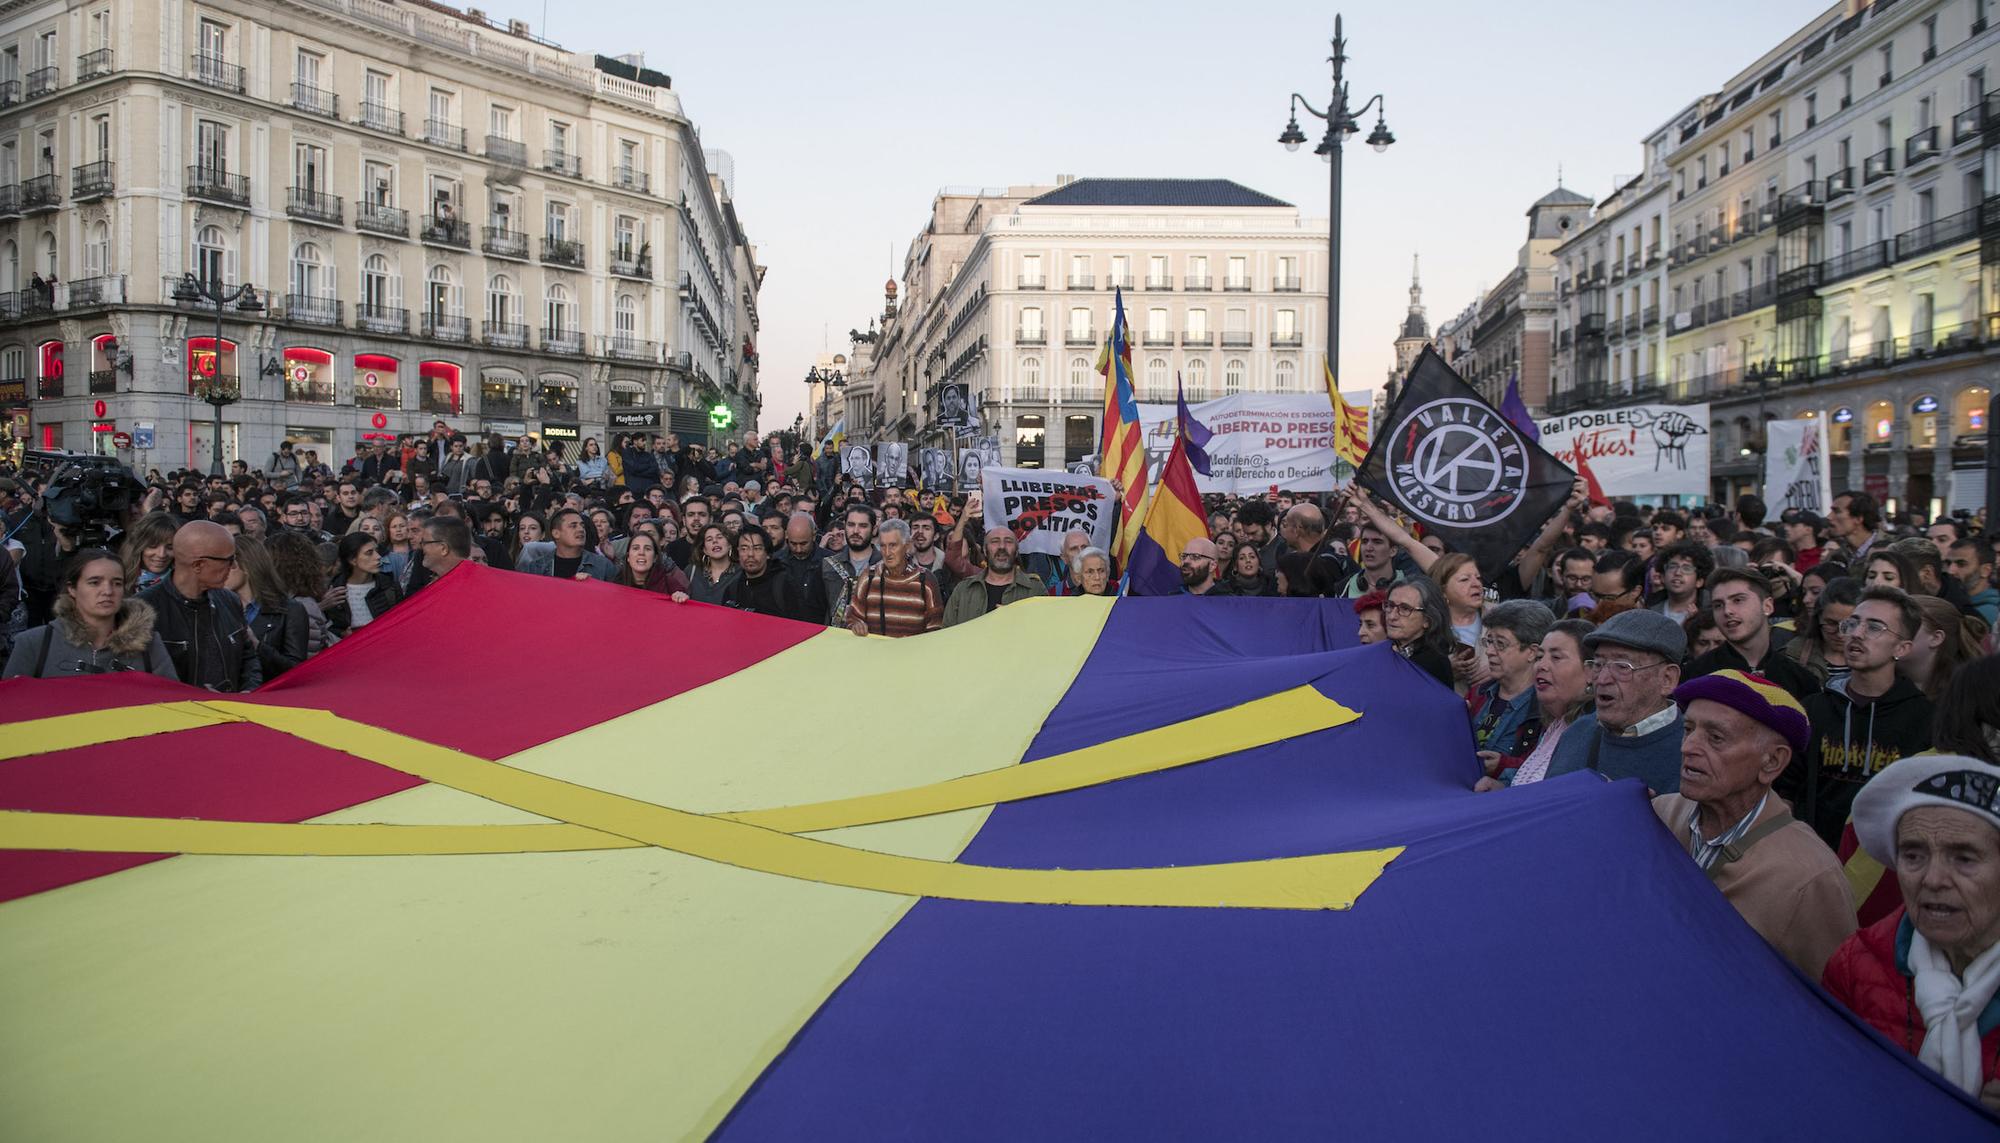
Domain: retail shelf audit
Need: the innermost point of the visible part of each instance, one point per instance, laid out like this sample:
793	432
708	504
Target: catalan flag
1121	452
1173	517
1350	426
1209	870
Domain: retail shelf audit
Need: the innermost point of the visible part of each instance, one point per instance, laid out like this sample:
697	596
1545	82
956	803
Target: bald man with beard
202	624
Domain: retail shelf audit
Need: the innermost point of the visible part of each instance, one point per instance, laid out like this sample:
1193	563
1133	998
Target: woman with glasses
1505	721
1562	695
97	630
1419	626
361	590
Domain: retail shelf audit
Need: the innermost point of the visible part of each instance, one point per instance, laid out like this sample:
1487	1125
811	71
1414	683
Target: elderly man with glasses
200	622
1878	718
1635	732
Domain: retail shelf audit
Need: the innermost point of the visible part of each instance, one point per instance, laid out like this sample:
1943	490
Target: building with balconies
1223	286
366	166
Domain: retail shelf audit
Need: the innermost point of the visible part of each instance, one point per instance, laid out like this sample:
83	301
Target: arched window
1232	375
502	303
1031	379
556	313
1081	377
441	294
625	317
1157	385
1969	410
1881	421
211	255
1196	377
309	272
97	250
378	291
1285	376
49	255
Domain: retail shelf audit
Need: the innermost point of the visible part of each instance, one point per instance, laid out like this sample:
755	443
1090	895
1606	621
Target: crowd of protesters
1781	686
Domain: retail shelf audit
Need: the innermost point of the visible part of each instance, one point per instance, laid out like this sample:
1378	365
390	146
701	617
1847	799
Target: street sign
121	441
142	435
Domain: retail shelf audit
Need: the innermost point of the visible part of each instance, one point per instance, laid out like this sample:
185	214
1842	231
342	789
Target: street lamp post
191	289
831	379
1342	121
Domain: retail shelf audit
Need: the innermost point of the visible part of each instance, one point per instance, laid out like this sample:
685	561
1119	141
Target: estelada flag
1456	465
1350	426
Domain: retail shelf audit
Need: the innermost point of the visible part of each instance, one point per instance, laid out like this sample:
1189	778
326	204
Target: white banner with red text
1042	505
1638	450
1262	441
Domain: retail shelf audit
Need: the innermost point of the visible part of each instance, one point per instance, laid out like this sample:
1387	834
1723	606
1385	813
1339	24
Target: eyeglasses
1393	608
1619	668
1680	567
1874	627
229	559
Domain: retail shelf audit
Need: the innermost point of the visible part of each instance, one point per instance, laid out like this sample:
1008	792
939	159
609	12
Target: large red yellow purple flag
1121	452
1191	869
1173	517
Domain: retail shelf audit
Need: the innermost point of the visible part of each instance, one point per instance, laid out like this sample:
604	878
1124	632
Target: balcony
10	201
1035	283
1651	316
1921	146
41	81
1287	285
556	340
438	401
381	117
507	152
51	388
625	347
93	293
562	252
502	400
505	334
377	218
91	180
1079	337
40	194
629	263
503	243
314	206
216	72
1946	231
1236	339
1860	260
1118	283
10	93
1590	325
1617	271
1631	325
446	230
1236	285
1653	255
377	396
213	184
91	65
1082	282
444	134
1840	182
1156	339
563	163
1967	125
381	319
1799	280
103	381
315	100
1193	339
556	401
632	179
307	309
1166	283
1198	282
1878	166
446	327
1287	340
308	392
1803	205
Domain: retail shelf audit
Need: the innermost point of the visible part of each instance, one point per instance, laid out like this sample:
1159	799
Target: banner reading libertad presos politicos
1041	506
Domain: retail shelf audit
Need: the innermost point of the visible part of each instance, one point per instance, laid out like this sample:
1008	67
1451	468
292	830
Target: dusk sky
845	119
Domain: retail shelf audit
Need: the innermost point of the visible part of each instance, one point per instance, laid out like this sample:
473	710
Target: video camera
87	496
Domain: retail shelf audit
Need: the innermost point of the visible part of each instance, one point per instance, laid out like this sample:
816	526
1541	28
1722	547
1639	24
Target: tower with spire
1416	332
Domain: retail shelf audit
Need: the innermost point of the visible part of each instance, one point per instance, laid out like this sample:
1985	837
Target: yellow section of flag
1350	425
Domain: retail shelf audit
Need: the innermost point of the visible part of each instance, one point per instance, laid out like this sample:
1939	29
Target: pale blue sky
845	119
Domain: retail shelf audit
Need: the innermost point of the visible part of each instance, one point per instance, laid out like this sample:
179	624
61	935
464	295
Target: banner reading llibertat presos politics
1637	450
1042	505
1261	439
1795	469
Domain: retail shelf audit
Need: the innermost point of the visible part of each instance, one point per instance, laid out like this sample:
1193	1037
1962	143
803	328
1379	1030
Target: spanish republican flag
1350	426
1121	452
1172	519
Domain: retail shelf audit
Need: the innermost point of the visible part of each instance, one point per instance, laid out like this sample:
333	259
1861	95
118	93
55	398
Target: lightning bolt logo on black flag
1454	463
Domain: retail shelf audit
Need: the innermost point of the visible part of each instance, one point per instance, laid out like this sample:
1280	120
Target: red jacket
1867	974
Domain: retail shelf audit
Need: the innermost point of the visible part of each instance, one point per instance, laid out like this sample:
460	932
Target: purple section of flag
1196	434
1516	410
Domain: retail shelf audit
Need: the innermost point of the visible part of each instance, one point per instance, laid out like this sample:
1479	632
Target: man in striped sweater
895	597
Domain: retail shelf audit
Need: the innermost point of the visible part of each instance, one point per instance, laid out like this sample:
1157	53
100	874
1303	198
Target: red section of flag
1597	495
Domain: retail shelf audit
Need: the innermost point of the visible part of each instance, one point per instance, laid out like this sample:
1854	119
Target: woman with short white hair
1928	975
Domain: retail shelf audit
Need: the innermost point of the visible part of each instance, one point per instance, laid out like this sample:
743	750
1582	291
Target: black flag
1454	463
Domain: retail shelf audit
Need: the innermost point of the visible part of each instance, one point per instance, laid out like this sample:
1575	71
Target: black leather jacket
207	638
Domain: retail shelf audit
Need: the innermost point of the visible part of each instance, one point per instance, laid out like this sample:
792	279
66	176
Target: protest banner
1261	440
1041	506
1637	450
856	461
1795	469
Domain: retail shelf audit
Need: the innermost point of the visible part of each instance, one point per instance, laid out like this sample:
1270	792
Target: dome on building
1416	326
1561	196
889	287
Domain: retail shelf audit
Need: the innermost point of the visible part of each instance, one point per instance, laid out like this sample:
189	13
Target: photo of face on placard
855	462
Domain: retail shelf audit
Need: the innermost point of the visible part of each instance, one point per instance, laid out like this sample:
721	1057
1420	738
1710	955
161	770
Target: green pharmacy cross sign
720	418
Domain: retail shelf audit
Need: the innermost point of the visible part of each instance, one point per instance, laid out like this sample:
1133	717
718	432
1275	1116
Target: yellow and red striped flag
1350	425
1121	453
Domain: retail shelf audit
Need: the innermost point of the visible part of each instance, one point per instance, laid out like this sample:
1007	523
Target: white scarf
1951	1008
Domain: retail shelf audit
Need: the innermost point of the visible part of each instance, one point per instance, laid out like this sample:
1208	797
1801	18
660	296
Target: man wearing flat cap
1633	663
1927	976
1739	732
